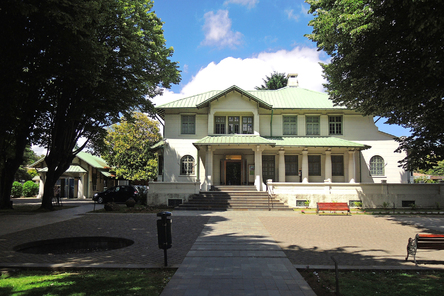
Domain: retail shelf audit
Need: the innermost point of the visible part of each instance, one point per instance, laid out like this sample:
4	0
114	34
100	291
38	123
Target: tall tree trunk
9	167
55	171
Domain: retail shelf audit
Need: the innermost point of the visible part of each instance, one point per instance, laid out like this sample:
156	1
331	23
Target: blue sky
238	42
226	42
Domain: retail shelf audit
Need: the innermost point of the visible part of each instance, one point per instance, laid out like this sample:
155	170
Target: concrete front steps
226	198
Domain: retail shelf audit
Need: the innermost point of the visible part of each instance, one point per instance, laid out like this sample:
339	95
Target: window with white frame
219	124
187	165
291	165
290	124
337	165
312	125
314	165
335	125
247	124
188	124
377	166
233	124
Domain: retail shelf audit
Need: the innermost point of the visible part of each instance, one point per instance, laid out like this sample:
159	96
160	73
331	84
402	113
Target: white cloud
217	29
304	10
248	3
290	14
248	73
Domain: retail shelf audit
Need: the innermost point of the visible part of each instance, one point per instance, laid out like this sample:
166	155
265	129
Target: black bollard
164	233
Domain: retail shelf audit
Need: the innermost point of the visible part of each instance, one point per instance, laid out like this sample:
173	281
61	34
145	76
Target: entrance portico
251	160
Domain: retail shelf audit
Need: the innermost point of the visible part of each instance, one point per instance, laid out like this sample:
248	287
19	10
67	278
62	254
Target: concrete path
235	255
14	223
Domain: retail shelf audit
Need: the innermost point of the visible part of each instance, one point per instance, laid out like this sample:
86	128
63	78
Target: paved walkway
226	253
235	255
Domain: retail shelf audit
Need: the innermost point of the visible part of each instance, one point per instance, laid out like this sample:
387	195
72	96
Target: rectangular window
188	124
337	165
314	165
335	125
313	125
233	124
290	125
160	164
291	165
247	124
219	124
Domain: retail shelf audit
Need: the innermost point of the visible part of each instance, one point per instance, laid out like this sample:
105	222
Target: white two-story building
291	135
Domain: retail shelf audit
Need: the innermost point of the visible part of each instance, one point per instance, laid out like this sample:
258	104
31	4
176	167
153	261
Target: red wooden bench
424	241
332	207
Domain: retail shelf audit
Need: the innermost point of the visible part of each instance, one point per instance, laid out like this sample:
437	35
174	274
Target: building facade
86	175
291	135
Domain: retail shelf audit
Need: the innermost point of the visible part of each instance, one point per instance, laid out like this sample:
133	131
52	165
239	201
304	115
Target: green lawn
388	282
149	282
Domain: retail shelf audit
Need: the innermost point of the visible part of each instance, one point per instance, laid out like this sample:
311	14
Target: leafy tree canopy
127	146
388	61
274	81
73	68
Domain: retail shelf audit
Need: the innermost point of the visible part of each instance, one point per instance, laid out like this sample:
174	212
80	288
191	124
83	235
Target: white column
258	168
328	174
256	122
305	166
351	166
80	193
281	165
42	184
208	169
211	122
90	182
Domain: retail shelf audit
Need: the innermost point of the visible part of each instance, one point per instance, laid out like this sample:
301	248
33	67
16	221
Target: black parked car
119	193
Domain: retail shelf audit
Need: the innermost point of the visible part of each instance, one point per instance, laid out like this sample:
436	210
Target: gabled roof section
90	159
93	160
74	168
283	98
239	90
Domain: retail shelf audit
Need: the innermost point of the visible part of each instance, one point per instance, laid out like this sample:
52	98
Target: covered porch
252	160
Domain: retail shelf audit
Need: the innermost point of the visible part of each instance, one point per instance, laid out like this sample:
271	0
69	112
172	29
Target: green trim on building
233	140
331	142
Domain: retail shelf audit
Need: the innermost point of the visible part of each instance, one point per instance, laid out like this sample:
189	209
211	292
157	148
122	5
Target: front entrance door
268	167
233	170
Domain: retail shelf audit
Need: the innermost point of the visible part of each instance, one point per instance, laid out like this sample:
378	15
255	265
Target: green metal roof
158	145
315	142
295	98
106	174
74	168
93	160
331	142
234	140
239	90
284	98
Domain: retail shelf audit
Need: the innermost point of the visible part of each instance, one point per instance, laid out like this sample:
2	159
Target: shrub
17	189
30	189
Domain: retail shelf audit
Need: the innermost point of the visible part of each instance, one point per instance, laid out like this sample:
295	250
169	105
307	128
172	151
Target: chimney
292	80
